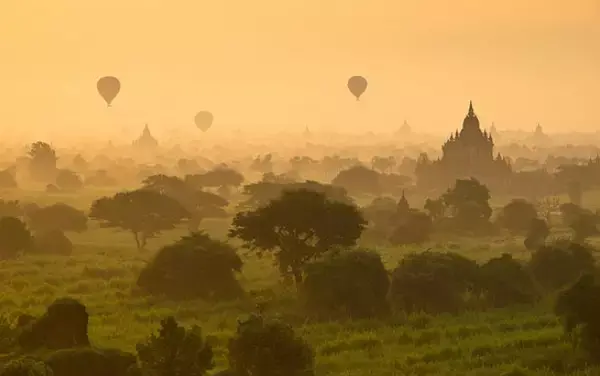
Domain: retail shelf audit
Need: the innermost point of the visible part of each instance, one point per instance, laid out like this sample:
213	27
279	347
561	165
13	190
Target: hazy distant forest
374	255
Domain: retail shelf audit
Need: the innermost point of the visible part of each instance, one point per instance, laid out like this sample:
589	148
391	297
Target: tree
516	216
414	228
537	234
298	227
269	348
435	208
358	180
469	202
557	264
196	266
584	226
10	208
58	217
175	351
218	177
507	282
198	203
145	213
579	308
433	282
260	194
353	283
7	179
26	366
68	180
14	237
42	163
52	242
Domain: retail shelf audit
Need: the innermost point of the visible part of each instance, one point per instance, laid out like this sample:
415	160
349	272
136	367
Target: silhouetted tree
557	264
7	179
198	203
413	228
61	217
68	180
506	282
353	283
584	226
435	208
516	216
143	212
297	227
175	351
537	234
14	237
10	208
469	202
42	163
269	348
579	308
358	180
196	266
433	282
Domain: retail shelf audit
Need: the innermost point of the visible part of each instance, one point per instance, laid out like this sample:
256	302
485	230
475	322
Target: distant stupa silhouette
146	141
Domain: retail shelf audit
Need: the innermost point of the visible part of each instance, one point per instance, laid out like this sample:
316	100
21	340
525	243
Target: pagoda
146	141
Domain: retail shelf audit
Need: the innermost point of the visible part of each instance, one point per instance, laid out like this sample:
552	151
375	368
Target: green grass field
103	269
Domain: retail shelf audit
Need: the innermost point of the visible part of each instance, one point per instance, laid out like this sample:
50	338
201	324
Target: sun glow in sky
277	65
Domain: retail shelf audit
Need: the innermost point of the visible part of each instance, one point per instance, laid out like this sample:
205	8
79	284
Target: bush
53	242
196	266
269	348
579	308
560	263
415	229
506	282
14	237
433	282
537	234
26	367
175	351
90	362
64	325
516	216
355	283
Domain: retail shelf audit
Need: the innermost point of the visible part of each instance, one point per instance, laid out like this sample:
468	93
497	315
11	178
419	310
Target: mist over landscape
299	188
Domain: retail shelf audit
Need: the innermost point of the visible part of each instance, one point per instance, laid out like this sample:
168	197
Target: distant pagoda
146	141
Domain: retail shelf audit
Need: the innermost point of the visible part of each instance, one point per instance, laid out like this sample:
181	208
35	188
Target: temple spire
471	112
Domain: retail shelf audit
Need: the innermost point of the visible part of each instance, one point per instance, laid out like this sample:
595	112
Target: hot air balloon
108	87
357	85
203	120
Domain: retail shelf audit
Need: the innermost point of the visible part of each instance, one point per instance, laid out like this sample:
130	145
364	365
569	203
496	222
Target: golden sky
283	64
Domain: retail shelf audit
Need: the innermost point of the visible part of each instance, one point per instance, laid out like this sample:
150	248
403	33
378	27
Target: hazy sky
285	63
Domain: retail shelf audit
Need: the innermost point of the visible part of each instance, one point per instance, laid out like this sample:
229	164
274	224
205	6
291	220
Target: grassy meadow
104	266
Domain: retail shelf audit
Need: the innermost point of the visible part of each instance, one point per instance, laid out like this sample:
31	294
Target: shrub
433	282
269	348
516	216
14	237
90	362
26	367
415	229
354	282
579	308
196	266
506	282
64	325
557	264
53	242
175	351
537	234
